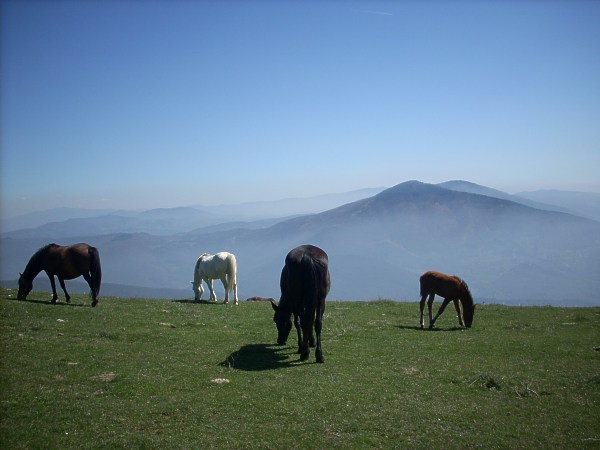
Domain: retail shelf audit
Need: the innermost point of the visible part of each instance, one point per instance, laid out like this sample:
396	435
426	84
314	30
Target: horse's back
304	252
439	283
70	261
305	274
214	266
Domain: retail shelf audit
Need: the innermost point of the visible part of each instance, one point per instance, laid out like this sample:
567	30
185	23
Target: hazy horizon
9	214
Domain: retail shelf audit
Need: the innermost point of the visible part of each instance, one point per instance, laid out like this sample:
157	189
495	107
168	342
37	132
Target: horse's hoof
94	303
304	356
320	357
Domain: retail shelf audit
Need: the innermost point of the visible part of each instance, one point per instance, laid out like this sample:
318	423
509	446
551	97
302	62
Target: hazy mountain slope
413	227
66	222
39	218
378	247
586	204
472	188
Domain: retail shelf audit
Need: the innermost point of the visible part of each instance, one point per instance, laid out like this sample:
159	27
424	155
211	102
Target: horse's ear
274	306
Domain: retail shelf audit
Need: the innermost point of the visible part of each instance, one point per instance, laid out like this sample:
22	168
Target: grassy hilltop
135	373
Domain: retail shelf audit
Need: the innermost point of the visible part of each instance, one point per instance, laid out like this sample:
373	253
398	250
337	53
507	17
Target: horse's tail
95	270
315	284
424	284
231	270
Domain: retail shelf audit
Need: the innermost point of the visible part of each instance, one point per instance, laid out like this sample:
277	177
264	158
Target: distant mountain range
509	249
66	222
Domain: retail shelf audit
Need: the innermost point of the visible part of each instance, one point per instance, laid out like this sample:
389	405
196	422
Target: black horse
304	284
66	263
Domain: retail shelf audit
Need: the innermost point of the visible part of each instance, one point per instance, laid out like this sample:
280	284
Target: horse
66	263
221	266
452	289
304	283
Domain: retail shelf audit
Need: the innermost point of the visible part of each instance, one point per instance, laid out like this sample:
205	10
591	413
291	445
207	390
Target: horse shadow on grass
418	328
49	302
259	357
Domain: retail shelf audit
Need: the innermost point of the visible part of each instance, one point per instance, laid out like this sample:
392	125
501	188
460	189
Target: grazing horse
452	289
66	263
221	266
304	285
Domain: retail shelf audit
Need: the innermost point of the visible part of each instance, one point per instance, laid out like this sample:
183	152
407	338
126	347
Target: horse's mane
468	295
40	251
34	261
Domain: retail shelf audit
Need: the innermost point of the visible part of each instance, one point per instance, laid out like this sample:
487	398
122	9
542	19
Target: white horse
221	266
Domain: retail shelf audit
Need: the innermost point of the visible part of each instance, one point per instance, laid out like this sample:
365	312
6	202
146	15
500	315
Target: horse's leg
234	286
226	287
53	285
307	322
198	290
213	297
298	331
64	288
441	310
429	308
318	328
459	312
422	305
88	278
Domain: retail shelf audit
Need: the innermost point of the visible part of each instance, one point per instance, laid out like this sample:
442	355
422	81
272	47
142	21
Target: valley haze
530	248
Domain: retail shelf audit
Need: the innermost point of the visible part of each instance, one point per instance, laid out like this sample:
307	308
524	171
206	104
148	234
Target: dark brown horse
452	289
66	263
304	285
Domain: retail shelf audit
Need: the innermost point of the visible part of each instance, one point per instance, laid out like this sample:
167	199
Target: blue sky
141	104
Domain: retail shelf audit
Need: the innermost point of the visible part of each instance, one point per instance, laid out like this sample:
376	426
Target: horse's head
468	314
283	321
25	287
468	305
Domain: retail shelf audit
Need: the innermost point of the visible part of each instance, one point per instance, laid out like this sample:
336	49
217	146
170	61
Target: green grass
137	373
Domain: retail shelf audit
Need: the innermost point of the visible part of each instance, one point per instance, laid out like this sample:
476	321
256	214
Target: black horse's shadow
49	302
418	328
258	357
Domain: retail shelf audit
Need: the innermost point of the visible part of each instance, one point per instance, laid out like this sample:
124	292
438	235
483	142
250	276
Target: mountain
586	204
466	186
290	206
378	247
63	223
39	218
